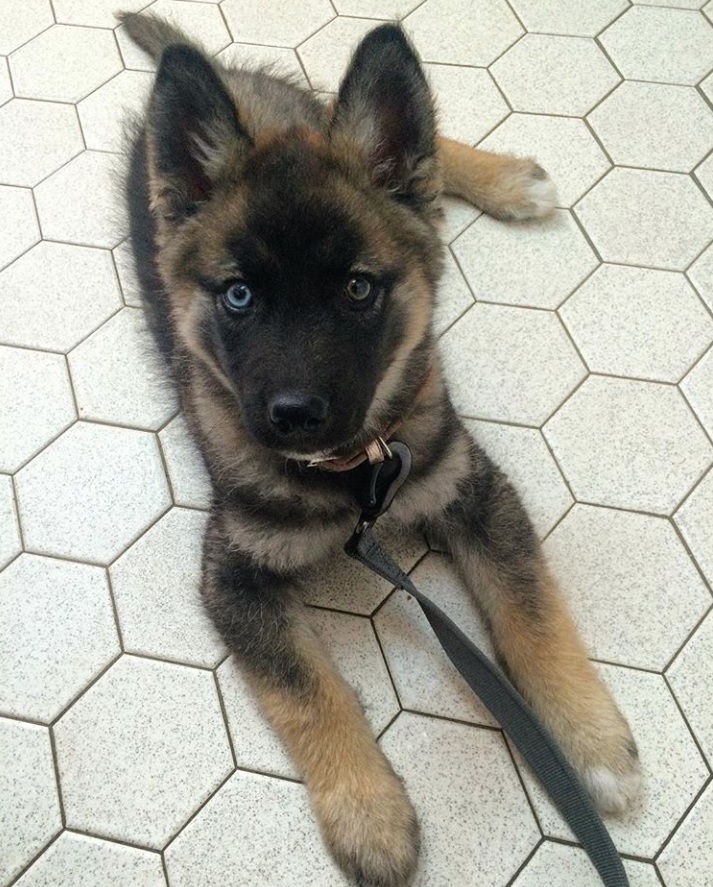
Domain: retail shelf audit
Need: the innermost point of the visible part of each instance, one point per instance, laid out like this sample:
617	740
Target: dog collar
377	450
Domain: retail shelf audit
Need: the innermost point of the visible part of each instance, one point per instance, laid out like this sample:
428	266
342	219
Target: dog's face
301	264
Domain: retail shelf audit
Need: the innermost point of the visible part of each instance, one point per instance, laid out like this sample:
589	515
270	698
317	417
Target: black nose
296	411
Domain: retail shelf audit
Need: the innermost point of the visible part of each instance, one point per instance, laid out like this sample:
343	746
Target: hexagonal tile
695	520
655	125
424	677
459	116
95	216
453	298
698	388
257	745
104	114
701	273
462	33
685	860
141	751
674	771
117	375
75	860
638	322
690	678
585	19
5	83
32	414
82	59
10	544
565	148
643	217
90	493
668	45
707	86
201	21
628	444
256	830
326	55
156	589
27	778
554	75
536	263
677	4
278	24
22	231
21	22
632	588
509	364
187	473
469	771
523	455
84	294
281	60
94	13
561	866
36	138
344	584
55	640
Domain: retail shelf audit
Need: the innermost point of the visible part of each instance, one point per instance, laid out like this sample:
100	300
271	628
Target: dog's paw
607	760
373	832
526	191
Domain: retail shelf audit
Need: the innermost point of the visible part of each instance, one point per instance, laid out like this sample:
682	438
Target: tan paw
523	191
372	831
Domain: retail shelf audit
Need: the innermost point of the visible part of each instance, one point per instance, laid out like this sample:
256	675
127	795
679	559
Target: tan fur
502	185
360	803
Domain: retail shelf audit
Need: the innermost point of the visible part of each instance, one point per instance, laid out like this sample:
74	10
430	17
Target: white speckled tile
690	677
256	830
156	588
9	526
535	264
27	778
633	590
629	444
187	473
76	860
71	502
698	388
561	866
141	751
695	520
684	861
54	640
18	208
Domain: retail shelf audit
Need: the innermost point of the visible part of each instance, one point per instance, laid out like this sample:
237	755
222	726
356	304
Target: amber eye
359	289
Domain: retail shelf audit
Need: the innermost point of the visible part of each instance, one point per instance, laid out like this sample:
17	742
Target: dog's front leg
499	559
363	810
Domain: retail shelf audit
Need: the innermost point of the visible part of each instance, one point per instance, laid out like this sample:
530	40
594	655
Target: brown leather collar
378	448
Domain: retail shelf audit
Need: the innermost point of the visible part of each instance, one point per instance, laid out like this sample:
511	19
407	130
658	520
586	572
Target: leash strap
494	689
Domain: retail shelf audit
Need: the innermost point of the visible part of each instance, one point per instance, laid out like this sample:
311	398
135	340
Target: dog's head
302	261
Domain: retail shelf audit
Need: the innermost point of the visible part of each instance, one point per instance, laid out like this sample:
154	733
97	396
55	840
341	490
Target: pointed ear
193	132
386	108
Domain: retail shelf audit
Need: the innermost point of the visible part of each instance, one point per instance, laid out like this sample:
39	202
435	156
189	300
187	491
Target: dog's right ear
194	134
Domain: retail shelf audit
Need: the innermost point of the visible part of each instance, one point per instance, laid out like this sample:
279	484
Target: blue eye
238	298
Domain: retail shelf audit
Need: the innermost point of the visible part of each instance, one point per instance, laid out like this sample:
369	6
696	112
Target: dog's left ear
386	108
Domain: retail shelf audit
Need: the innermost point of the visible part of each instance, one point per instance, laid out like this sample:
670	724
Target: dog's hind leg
365	815
502	185
499	559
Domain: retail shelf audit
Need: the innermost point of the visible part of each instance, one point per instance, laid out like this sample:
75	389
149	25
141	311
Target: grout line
521	868
34	859
680	822
224	714
198	810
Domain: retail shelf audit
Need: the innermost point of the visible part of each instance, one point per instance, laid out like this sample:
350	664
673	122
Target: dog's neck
377	449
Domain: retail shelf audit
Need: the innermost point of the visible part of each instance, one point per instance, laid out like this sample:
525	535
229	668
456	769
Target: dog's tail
151	33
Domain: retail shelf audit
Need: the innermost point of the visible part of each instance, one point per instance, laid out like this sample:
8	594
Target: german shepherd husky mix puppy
288	254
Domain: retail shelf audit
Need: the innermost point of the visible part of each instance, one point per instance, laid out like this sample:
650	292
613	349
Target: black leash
494	689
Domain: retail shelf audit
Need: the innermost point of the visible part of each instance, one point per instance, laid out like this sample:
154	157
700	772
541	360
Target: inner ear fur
194	134
386	109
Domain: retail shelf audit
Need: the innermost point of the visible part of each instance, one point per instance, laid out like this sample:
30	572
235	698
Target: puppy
288	254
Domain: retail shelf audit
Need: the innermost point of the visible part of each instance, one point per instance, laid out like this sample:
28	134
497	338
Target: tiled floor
579	348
